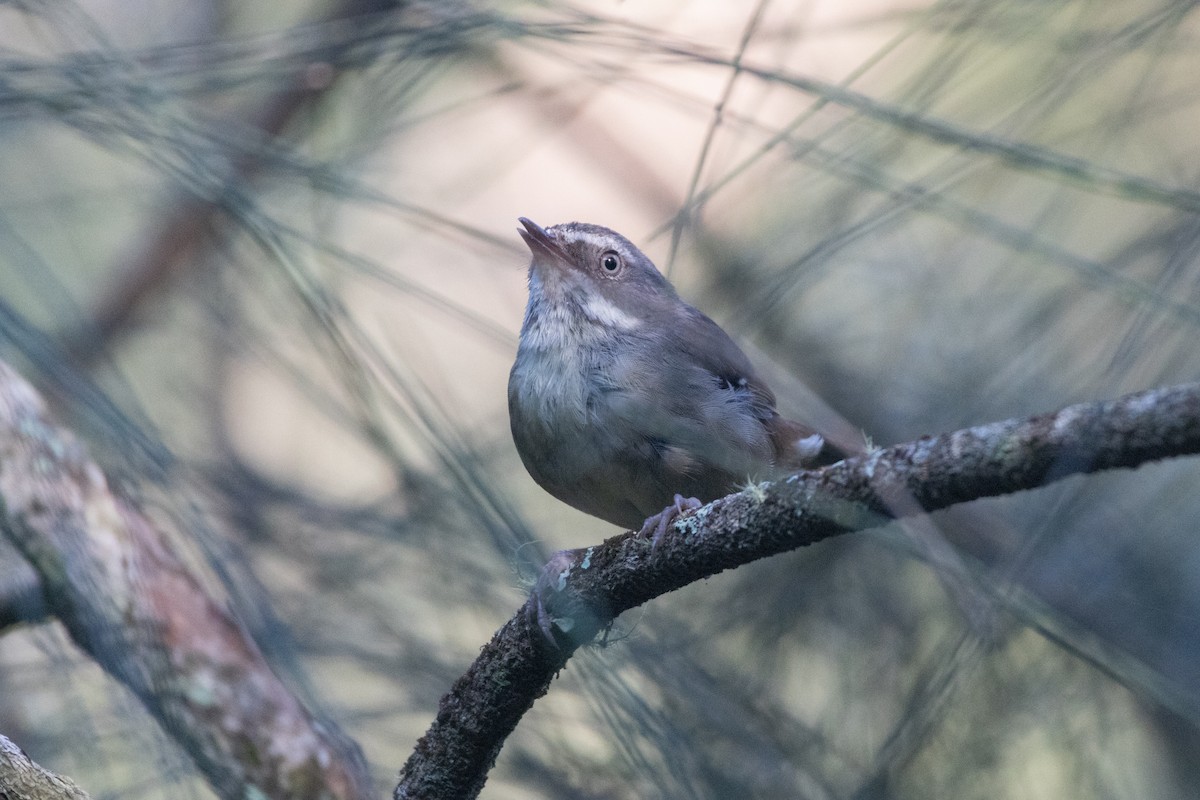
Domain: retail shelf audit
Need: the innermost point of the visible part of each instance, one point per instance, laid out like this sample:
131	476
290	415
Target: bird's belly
598	466
573	446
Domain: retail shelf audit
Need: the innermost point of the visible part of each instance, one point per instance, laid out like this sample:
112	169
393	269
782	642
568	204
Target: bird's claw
550	581
553	577
656	527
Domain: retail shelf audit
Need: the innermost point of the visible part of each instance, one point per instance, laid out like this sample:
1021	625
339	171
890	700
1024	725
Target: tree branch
595	584
23	779
114	577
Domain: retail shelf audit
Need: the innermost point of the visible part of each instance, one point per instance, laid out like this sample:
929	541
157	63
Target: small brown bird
626	402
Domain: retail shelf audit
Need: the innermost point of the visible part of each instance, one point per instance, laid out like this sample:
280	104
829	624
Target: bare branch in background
22	779
111	575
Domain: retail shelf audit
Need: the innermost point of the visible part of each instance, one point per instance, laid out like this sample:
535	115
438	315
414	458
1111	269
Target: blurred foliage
261	258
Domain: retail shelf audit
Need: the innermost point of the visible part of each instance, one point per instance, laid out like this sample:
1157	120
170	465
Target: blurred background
262	258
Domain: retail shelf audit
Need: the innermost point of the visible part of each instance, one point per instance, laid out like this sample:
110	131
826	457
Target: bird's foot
656	527
551	580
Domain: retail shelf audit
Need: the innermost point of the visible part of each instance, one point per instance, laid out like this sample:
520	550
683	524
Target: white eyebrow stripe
597	241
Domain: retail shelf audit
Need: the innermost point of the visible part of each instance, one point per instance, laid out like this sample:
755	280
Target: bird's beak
540	242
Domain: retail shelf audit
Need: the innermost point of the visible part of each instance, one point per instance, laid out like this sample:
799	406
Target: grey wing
699	414
707	344
744	415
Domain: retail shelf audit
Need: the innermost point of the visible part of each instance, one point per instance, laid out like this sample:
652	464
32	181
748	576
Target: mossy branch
595	584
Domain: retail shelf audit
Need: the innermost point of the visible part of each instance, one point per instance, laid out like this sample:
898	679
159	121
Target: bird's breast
548	388
558	391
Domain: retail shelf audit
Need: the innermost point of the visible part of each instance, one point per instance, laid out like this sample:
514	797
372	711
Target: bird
628	403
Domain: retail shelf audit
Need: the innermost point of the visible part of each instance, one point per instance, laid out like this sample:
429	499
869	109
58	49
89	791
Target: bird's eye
610	261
